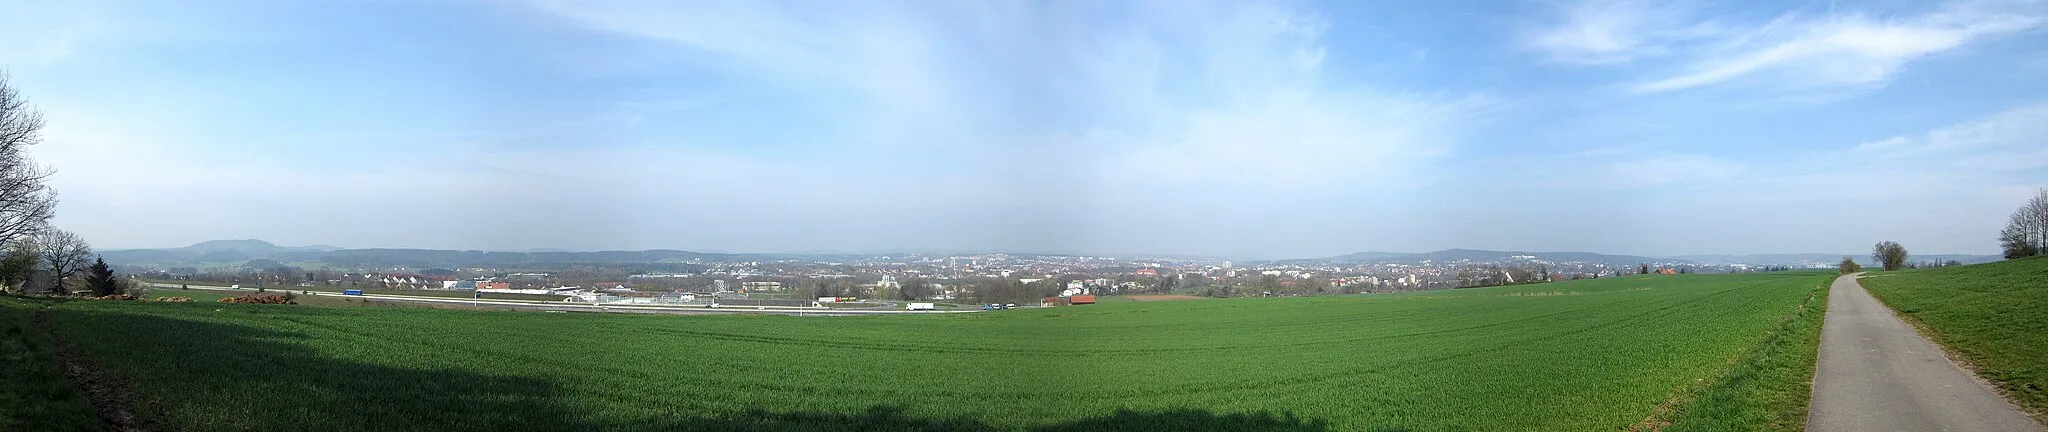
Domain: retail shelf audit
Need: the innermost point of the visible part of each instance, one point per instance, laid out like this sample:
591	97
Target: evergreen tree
100	279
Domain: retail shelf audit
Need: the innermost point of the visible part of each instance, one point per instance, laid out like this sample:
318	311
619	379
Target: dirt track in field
109	397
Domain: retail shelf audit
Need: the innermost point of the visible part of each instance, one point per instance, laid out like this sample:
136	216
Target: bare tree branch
2026	233
64	255
26	203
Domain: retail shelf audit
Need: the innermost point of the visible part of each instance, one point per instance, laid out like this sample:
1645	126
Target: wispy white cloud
1795	50
1232	91
1944	189
1982	158
2012	140
2024	127
927	110
1847	49
1598	32
1884	144
1998	151
1060	125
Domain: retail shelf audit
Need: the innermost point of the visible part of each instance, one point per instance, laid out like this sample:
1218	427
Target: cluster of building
941	277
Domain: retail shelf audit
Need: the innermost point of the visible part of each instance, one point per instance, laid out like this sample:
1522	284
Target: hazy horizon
1262	129
888	251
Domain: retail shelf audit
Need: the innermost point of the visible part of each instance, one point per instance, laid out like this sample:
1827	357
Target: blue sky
1275	129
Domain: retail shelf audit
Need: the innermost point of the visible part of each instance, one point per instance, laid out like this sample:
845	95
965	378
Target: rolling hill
1456	255
236	252
1795	259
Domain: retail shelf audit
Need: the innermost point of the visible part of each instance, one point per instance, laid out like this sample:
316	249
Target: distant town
681	276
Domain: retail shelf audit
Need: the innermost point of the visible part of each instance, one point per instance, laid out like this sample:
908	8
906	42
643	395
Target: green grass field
1699	352
34	394
1995	316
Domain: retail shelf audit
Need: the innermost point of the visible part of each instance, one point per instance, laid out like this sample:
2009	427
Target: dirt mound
1161	297
116	297
259	299
174	299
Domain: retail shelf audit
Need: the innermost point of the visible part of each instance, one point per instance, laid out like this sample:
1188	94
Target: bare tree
1889	254
64	255
2026	234
1849	266
25	202
2013	240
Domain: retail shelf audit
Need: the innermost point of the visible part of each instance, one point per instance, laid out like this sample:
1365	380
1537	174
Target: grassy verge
35	395
1994	316
1769	388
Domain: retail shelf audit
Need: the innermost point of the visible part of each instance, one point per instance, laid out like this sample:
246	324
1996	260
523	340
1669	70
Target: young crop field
34	393
1682	352
1995	316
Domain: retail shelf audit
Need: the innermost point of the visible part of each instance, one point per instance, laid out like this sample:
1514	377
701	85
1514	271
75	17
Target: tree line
2026	232
38	257
2025	235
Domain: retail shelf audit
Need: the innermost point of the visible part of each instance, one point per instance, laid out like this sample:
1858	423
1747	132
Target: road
1876	374
578	307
